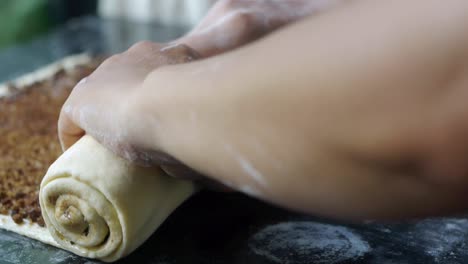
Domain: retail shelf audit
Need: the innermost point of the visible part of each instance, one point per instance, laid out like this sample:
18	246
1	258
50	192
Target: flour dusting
246	166
249	169
308	242
441	237
250	190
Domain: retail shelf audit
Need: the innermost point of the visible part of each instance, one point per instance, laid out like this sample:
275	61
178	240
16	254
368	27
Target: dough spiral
97	205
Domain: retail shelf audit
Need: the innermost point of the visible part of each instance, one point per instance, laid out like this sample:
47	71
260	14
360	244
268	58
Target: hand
233	23
369	123
103	106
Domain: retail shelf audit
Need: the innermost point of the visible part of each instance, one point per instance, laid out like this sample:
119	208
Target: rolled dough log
97	205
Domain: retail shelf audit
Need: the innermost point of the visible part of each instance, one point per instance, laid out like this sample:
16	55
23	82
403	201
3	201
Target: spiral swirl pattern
80	217
97	205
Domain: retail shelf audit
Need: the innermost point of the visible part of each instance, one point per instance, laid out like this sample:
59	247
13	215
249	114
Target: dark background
62	11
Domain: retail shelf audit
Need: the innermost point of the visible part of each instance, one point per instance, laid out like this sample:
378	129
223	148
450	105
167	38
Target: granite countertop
230	228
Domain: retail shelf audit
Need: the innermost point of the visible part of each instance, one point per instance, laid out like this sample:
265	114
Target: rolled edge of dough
97	205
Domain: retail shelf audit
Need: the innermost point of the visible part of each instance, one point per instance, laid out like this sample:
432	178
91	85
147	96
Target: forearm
289	126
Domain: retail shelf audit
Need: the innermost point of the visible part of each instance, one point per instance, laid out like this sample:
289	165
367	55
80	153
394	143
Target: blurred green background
23	20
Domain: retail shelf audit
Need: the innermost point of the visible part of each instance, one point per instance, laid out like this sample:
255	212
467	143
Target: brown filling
28	140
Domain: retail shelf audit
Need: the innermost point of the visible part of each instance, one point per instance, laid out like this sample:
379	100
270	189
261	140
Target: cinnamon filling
29	141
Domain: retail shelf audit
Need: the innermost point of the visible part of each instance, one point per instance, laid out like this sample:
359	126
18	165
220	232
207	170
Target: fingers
180	53
68	131
91	107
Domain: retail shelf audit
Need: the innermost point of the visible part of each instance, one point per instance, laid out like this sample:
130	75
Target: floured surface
308	242
19	249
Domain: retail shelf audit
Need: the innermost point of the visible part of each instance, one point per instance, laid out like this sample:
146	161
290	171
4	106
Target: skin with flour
232	23
356	113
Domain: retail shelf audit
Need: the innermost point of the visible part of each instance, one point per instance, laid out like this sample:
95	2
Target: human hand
103	106
369	123
233	23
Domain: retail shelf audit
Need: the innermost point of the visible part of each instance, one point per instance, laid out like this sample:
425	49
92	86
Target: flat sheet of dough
31	230
94	203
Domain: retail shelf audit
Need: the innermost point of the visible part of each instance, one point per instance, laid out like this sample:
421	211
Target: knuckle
114	59
244	16
180	53
243	27
142	46
228	5
246	22
231	5
238	10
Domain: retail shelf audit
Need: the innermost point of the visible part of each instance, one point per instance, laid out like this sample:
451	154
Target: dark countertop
230	228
